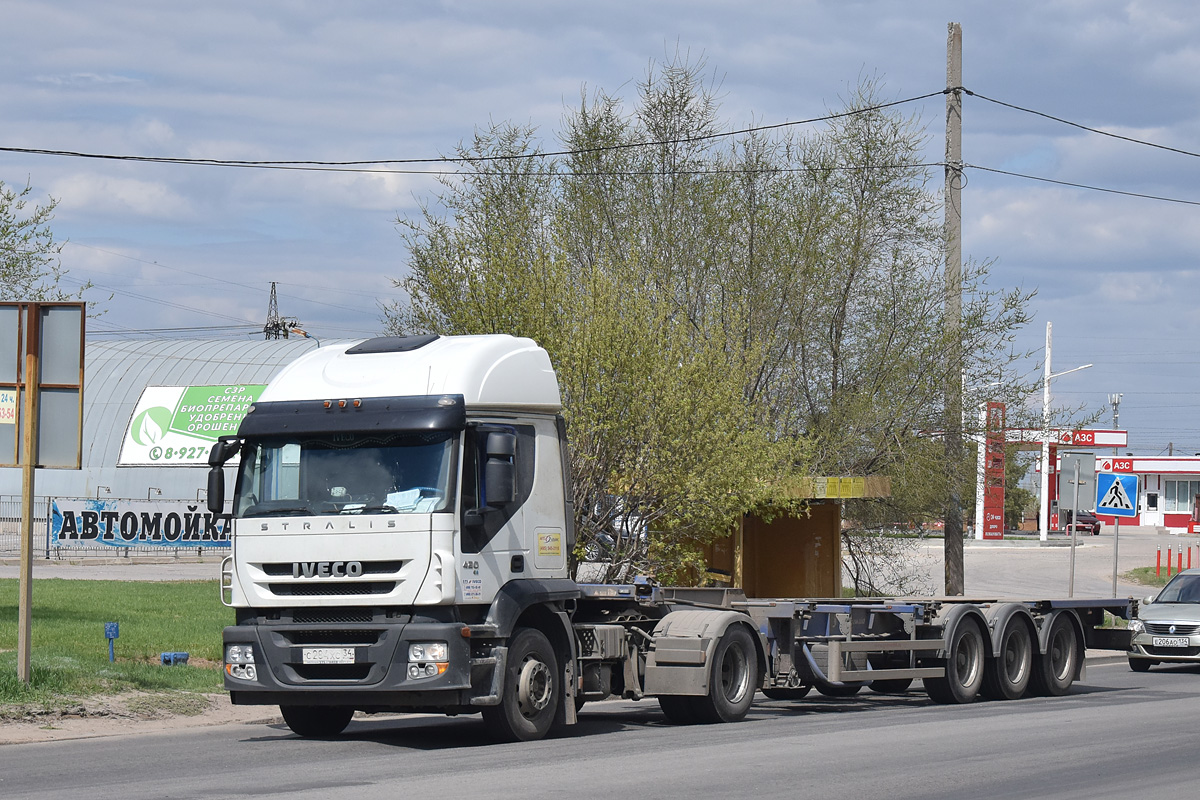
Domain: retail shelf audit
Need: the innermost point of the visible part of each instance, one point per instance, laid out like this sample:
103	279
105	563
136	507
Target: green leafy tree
30	268
724	313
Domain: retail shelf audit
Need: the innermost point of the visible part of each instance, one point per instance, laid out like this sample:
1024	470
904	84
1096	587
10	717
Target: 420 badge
177	425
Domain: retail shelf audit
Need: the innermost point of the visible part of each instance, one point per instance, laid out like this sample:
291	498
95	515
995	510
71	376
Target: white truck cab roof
490	372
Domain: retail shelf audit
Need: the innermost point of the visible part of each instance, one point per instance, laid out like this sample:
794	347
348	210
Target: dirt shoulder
127	714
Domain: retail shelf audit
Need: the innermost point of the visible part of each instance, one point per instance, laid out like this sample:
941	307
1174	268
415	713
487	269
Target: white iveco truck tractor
402	532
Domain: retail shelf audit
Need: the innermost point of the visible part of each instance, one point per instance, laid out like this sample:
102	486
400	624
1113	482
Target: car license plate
1171	641
328	655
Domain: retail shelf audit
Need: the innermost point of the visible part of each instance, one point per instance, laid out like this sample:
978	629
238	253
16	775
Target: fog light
243	672
414	671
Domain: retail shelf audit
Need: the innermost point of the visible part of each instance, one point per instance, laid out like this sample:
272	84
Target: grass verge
69	654
1146	576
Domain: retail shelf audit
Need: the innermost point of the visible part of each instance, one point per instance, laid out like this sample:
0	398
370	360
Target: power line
1083	185
1081	126
347	166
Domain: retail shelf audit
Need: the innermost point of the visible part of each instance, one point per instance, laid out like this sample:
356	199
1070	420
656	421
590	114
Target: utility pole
953	541
1114	400
277	327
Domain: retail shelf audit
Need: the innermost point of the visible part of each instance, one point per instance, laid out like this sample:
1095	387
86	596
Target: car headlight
239	654
1136	626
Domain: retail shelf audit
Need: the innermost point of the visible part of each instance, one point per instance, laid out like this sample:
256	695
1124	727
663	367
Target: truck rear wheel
1006	677
786	692
1054	671
964	666
531	692
732	680
316	722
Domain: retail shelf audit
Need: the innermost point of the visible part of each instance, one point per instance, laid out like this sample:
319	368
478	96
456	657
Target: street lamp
1044	499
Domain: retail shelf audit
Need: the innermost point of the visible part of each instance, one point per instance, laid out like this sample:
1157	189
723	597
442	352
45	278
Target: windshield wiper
379	509
282	511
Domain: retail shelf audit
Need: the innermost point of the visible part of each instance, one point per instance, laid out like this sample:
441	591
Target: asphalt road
1119	735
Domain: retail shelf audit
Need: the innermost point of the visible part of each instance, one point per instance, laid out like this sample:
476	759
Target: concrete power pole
953	553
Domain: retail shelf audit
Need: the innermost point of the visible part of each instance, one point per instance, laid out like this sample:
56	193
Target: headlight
239	654
1136	626
428	651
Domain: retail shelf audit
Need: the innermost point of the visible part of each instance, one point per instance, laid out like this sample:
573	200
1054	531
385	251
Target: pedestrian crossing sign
1116	495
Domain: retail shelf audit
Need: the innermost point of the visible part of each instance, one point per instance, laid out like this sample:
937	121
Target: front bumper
378	678
1168	648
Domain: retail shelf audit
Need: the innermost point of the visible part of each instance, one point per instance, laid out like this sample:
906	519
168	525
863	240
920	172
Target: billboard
136	523
177	425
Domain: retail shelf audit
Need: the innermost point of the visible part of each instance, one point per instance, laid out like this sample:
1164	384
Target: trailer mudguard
682	648
1043	638
998	618
954	617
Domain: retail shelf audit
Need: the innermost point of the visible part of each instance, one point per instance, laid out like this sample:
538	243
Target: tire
848	690
532	690
1007	675
316	722
787	692
1139	664
678	709
1054	671
894	686
732	680
965	657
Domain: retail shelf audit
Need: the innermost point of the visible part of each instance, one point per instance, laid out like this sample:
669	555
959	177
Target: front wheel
964	666
531	690
316	722
733	678
1139	664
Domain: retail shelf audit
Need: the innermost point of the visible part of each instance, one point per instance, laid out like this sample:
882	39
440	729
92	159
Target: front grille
332	589
332	672
1164	628
369	568
346	637
331	616
1171	651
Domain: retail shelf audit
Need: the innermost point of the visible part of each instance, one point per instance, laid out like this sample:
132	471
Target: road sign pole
1074	531
28	462
1116	541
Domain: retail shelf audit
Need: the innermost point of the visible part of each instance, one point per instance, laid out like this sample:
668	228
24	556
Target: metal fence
45	546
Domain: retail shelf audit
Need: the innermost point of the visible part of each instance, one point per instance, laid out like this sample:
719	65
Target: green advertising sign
178	424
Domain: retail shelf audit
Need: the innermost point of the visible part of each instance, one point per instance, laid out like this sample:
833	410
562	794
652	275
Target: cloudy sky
189	246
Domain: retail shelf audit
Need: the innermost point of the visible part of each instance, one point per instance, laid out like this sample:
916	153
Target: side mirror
499	475
216	490
1149	599
226	448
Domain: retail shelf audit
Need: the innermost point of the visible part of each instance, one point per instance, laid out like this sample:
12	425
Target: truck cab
401	508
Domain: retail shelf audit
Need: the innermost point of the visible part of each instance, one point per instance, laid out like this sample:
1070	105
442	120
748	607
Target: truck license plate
1170	641
328	655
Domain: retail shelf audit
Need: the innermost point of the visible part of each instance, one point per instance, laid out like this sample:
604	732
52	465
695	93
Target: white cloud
106	195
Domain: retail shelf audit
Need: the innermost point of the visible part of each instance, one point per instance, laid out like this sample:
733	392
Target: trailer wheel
1006	677
1054	671
964	666
849	690
316	722
732	680
531	691
1140	664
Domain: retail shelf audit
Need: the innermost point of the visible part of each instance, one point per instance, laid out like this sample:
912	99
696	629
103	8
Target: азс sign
177	425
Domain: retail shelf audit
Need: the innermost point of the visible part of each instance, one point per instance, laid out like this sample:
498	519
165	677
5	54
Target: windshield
1183	589
347	473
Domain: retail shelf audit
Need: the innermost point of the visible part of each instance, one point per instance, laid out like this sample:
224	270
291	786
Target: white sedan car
1167	627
